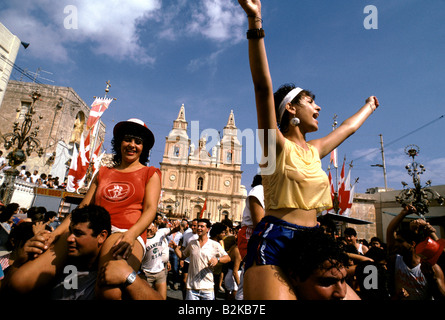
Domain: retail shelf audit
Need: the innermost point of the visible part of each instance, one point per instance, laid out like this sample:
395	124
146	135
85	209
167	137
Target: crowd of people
41	180
115	245
204	261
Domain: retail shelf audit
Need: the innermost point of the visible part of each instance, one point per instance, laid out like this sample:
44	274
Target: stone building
9	47
379	208
60	115
193	177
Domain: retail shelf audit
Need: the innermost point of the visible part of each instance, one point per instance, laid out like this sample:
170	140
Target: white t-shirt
412	280
257	192
153	260
200	275
187	237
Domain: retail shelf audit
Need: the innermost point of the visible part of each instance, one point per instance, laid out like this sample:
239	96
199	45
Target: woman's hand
373	102
251	7
33	247
124	245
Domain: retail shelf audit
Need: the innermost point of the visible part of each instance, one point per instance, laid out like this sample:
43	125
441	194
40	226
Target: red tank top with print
122	194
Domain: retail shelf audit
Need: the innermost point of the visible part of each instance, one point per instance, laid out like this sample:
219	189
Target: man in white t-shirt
204	255
153	263
188	235
411	277
35	176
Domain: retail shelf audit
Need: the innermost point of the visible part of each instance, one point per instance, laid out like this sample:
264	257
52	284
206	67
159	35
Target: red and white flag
97	109
97	159
203	209
331	184
346	196
78	168
342	177
87	146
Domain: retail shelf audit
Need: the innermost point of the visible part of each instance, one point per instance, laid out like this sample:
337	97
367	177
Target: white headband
288	98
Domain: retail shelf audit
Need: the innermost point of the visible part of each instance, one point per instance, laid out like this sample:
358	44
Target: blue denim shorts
192	294
268	240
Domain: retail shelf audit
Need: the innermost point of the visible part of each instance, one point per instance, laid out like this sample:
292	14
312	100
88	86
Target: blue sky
159	55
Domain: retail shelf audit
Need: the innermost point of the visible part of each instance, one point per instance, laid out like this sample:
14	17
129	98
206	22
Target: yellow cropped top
298	180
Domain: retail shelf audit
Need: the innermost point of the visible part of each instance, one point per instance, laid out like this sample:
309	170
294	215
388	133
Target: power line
420	128
402	137
20	70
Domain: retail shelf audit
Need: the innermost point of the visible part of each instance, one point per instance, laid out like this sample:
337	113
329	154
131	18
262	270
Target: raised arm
259	68
328	143
32	275
395	222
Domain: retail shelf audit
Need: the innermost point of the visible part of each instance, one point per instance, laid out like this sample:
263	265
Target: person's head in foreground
315	265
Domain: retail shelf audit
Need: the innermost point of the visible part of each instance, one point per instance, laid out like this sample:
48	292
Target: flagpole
97	125
334	126
88	176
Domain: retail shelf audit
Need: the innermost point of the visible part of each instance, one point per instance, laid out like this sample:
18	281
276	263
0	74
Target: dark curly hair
308	251
257	180
116	148
8	211
97	216
283	123
217	228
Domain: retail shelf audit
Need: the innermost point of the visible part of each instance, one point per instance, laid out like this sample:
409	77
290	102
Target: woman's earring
295	121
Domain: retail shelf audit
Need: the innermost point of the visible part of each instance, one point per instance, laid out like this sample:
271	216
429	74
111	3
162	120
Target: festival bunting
78	167
97	109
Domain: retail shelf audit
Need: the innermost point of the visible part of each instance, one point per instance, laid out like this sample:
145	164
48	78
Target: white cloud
370	154
218	20
210	62
111	27
114	28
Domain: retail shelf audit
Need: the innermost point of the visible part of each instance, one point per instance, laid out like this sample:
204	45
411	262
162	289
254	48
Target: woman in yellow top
297	189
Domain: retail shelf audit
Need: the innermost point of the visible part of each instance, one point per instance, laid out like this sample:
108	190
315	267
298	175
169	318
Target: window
229	156
200	183
176	152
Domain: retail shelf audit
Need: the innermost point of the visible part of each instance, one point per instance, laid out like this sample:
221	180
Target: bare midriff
300	217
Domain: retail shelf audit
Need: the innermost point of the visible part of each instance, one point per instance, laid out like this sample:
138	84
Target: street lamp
25	142
418	196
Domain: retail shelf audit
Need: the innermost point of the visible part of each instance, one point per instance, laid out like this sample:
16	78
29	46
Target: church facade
197	182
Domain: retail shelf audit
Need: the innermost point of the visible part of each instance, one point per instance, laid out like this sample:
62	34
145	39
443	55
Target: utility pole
383	165
383	162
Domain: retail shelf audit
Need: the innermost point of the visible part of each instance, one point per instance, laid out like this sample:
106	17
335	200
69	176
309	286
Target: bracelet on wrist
255	33
255	17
